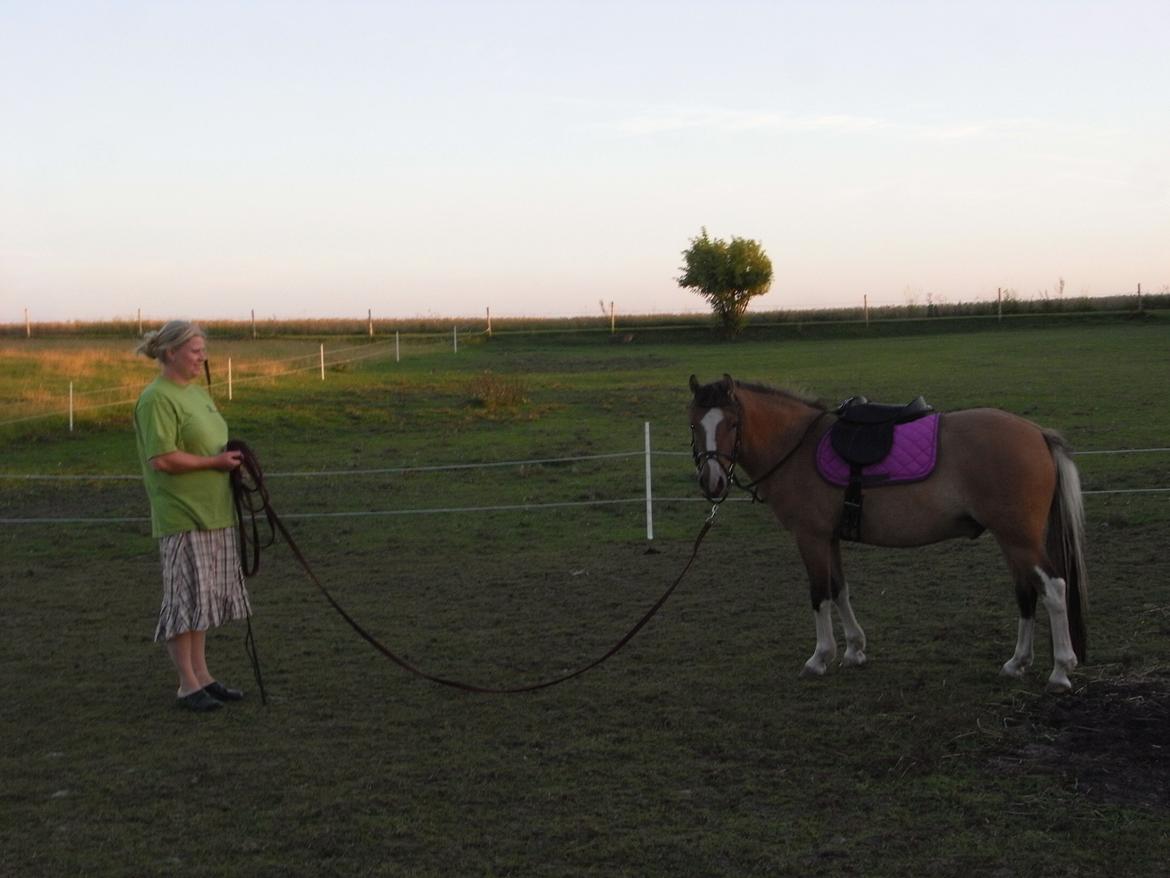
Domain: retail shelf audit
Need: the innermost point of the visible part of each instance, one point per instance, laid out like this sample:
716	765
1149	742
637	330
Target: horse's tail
1066	539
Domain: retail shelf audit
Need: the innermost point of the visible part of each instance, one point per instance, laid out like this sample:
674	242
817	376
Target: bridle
701	458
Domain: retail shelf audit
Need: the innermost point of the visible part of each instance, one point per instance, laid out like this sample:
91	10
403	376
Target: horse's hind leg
854	636
1021	659
1033	583
1054	594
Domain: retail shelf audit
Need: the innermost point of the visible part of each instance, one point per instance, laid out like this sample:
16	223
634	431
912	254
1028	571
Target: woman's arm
176	463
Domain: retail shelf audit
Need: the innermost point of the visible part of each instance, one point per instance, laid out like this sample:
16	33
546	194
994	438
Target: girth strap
864	435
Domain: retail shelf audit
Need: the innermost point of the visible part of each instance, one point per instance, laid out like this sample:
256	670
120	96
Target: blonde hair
159	343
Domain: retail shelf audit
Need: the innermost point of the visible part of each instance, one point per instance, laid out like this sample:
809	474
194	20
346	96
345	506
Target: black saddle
864	432
864	435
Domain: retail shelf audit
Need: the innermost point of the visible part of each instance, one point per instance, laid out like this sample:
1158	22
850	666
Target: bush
496	392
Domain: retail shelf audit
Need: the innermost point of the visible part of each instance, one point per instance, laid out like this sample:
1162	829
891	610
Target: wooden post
489	319
322	362
397	358
865	307
999	302
611	323
229	379
70	406
455	336
253	324
1139	297
370	318
140	321
27	325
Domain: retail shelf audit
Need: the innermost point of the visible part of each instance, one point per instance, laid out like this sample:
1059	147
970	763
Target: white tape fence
647	497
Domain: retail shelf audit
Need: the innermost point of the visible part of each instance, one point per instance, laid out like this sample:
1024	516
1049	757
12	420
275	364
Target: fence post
370	319
27	325
70	406
999	302
140	322
397	358
865	307
455	336
649	499
253	324
489	319
1139	297
229	379
611	322
322	362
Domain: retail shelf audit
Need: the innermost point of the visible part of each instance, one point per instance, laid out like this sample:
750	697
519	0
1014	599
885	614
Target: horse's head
715	418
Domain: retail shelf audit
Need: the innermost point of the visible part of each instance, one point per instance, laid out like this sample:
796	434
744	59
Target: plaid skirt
203	585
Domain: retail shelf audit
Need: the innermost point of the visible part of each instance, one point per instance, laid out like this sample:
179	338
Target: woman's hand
228	460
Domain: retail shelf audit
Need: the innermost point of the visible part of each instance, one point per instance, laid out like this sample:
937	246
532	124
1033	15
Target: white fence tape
648	453
456	510
405	470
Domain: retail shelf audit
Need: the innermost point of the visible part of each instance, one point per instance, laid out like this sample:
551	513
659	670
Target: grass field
695	751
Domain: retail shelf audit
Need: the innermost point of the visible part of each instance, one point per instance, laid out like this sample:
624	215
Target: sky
542	157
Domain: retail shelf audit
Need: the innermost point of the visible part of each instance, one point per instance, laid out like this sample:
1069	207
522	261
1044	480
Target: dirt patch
1111	737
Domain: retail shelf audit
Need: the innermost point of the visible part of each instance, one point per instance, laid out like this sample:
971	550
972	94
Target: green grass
696	751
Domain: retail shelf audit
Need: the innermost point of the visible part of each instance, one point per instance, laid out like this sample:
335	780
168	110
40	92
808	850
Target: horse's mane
786	392
715	394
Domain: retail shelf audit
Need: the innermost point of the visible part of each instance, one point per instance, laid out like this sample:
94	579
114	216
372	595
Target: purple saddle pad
911	458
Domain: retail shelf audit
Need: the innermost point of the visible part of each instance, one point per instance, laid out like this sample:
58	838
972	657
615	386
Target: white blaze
711	474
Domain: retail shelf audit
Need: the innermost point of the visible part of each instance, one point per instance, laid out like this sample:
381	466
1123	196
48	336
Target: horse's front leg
854	636
818	561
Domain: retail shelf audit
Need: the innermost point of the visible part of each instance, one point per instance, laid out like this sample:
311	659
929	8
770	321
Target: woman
181	438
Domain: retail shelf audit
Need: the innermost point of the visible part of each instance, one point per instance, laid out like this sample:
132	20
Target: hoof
1058	685
813	671
1013	670
854	659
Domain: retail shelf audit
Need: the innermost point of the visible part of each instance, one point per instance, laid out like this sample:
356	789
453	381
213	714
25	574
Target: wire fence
913	303
270	370
380	346
647	498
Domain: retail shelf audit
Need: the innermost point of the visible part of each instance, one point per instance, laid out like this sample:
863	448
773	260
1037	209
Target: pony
995	472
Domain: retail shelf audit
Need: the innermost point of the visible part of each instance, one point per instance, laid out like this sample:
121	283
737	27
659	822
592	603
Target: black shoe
199	701
221	692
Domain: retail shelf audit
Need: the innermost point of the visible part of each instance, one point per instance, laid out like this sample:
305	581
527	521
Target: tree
726	274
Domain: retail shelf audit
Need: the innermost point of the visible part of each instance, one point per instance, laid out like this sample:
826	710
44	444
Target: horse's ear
730	382
694	386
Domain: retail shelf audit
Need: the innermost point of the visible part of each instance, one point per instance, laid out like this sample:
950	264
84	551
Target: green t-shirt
173	418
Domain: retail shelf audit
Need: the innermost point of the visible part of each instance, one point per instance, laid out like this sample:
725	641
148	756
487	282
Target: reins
251	498
701	457
239	495
751	486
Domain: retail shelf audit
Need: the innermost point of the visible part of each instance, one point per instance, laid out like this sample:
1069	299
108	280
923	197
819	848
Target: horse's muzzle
714	478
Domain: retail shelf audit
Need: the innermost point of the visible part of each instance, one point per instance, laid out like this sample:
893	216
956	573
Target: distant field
695	751
938	310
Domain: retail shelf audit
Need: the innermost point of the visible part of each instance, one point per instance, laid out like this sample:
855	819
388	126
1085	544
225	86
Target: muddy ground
1110	738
